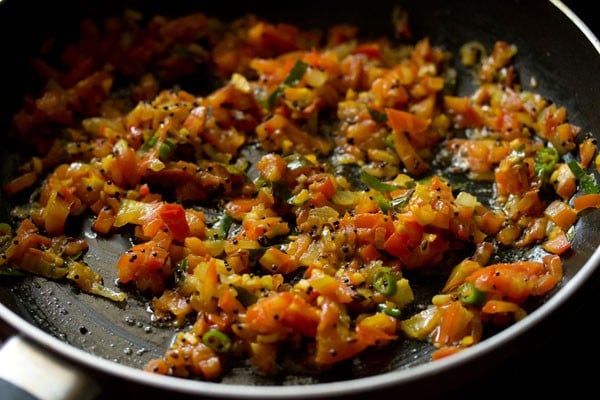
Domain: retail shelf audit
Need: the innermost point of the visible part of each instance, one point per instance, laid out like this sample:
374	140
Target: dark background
587	11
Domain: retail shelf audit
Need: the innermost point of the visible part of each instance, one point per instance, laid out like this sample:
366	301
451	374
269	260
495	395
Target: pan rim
578	22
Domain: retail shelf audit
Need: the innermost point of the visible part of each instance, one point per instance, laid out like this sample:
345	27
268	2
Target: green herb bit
296	73
6	233
295	161
450	81
165	149
519	151
587	181
223	224
383	203
396	203
148	144
292	79
283	191
273	97
244	296
181	268
8	271
5	229
401	201
375	183
377	116
183	265
180	51
389	141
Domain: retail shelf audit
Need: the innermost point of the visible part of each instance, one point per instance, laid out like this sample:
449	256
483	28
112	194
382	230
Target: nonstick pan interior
126	335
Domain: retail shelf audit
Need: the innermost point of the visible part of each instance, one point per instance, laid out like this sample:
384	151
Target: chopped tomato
291	206
283	312
147	265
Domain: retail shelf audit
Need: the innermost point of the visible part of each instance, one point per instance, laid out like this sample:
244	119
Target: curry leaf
587	181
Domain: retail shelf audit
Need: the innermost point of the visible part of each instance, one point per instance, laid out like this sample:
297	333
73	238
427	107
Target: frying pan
94	345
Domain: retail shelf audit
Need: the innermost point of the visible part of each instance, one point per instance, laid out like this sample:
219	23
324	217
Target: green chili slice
545	160
391	311
384	283
469	294
217	341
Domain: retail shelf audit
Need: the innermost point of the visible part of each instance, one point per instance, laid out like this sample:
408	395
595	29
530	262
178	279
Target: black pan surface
121	339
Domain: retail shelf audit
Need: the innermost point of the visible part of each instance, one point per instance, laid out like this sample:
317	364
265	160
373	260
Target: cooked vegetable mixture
283	189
